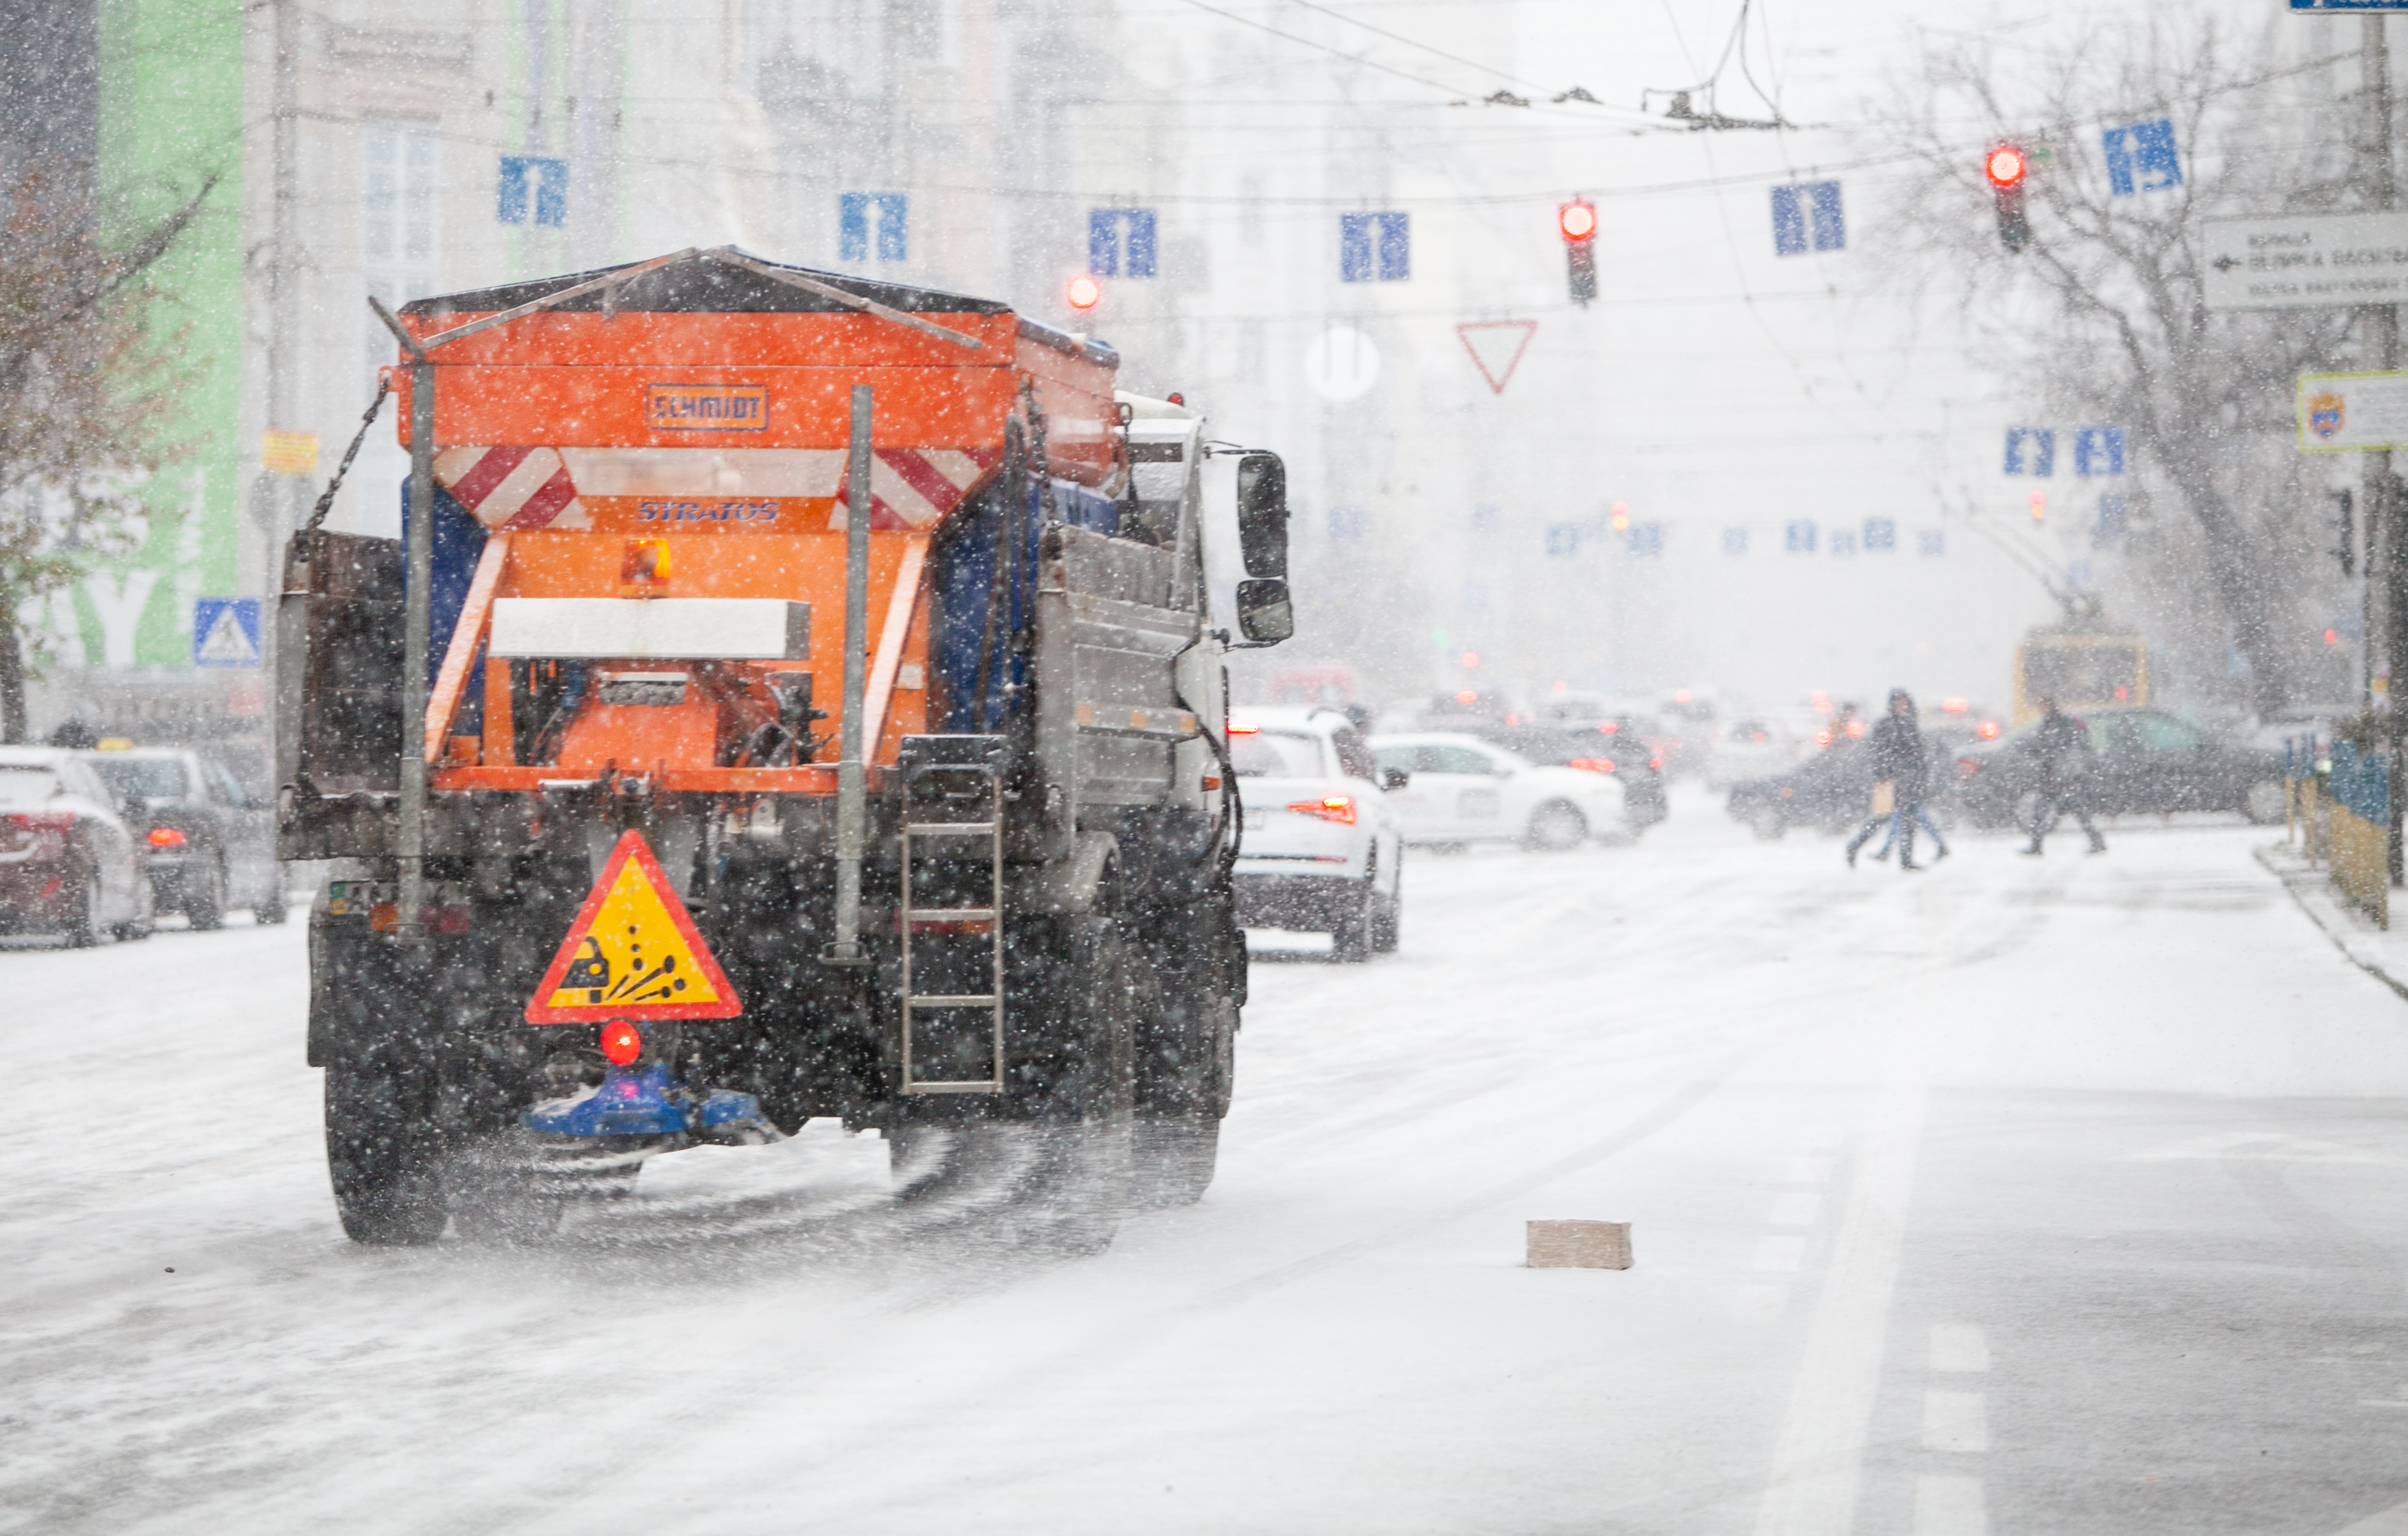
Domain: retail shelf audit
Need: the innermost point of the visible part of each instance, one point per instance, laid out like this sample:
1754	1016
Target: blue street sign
2141	157
225	632
2042	459
857	211
1808	216
1119	237
1374	246
2309	7
549	196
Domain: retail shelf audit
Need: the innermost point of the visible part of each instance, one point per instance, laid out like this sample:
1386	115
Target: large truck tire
1183	1093
384	1152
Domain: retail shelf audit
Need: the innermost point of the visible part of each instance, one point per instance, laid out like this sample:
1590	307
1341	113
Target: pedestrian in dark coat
1902	761
2061	749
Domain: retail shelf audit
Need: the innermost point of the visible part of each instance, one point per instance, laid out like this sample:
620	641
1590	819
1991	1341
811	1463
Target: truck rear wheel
1088	1114
384	1153
1181	1097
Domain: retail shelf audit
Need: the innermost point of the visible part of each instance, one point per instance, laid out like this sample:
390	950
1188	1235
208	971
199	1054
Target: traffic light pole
2381	492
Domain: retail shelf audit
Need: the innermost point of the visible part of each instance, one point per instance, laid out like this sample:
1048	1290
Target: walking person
1902	775
2061	747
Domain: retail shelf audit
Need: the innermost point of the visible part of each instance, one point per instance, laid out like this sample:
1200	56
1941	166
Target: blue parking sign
225	632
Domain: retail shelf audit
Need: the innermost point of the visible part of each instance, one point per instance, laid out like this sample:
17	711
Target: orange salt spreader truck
790	696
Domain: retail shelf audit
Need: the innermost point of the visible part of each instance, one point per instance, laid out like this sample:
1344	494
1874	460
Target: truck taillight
1329	808
1593	765
166	836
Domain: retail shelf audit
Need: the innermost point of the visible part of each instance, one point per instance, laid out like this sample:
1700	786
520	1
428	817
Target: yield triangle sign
1497	347
632	953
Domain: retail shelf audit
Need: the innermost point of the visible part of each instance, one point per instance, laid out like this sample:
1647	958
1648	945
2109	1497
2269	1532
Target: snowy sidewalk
2381	953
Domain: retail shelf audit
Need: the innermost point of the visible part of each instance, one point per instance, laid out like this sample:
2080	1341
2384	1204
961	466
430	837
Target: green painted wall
170	115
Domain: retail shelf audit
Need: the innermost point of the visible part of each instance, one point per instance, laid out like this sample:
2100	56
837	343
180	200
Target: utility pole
2386	508
276	493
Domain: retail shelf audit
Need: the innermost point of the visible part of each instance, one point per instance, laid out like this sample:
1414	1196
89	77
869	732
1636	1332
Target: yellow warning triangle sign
633	952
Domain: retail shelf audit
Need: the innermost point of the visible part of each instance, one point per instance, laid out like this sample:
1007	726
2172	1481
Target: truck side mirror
1264	613
1262	514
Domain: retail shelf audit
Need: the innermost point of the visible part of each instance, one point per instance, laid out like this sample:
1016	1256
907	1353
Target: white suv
1321	851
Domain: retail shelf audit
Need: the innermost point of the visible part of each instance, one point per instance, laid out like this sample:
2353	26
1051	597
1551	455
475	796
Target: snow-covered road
2063	1195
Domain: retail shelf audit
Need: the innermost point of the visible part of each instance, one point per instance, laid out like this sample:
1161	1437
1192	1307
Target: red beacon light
621	1043
1084	293
2005	166
1577	219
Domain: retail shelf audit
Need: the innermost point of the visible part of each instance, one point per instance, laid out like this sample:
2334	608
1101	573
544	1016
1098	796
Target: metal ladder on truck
951	915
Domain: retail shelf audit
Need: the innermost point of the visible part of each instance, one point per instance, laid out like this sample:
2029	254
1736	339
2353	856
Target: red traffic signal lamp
1577	223
2005	167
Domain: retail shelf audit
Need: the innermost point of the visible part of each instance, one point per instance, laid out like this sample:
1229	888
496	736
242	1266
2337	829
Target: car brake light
43	821
1329	808
166	836
1987	730
621	1043
1656	762
1608	729
1235	729
1593	765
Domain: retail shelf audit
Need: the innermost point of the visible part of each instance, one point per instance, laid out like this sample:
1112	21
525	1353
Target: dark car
70	864
210	845
1599	750
2145	762
1832	791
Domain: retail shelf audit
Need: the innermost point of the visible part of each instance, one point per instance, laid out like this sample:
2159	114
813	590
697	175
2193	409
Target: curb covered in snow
2380	954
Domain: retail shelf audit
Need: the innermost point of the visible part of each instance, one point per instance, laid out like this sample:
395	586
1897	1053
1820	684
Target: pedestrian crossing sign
632	953
225	632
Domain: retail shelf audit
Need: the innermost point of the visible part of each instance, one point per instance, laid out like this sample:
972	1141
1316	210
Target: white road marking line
1779	1255
1954	1421
1795	1210
1819	1460
1949	1506
1959	1346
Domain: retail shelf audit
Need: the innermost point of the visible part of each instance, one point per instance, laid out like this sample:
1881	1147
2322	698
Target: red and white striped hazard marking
912	488
511	487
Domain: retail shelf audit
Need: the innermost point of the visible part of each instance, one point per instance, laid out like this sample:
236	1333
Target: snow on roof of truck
703	286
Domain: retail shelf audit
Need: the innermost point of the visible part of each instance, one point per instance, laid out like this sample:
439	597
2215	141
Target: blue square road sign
225	632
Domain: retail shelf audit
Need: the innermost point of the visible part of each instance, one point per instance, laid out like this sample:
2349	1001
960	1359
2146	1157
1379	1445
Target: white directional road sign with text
2310	261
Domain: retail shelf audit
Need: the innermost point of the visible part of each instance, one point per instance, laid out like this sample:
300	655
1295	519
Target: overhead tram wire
1452	58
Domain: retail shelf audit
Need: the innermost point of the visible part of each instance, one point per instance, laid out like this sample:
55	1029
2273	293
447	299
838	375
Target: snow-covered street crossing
2059	1195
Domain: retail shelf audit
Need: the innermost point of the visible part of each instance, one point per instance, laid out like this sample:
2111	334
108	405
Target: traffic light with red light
1577	221
2004	167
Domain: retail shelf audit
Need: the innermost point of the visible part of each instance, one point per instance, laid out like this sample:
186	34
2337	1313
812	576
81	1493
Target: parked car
1460	789
1321	851
70	864
2146	762
1640	771
209	845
